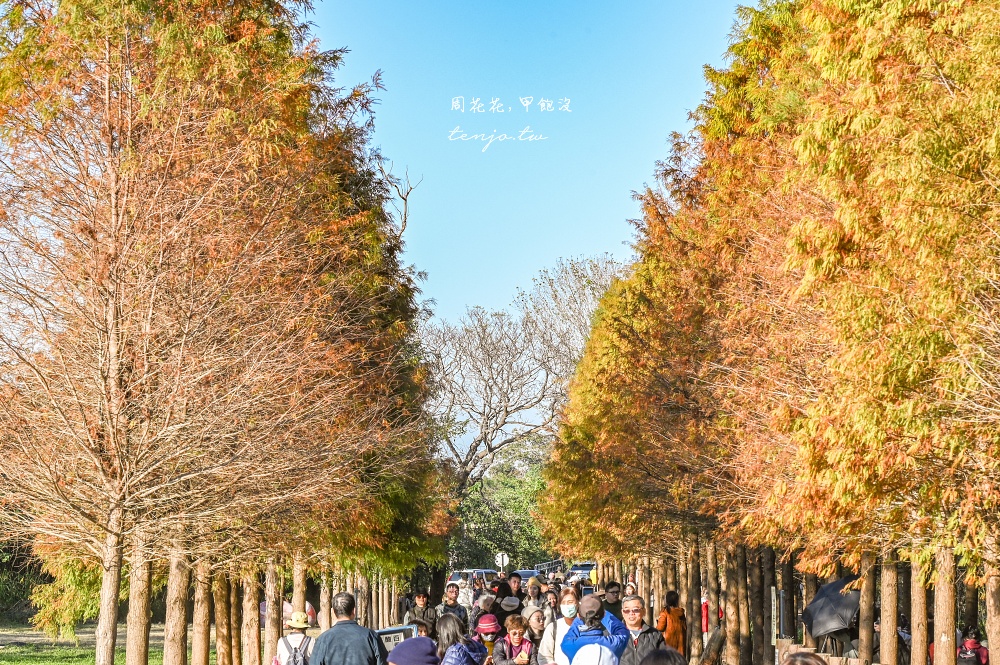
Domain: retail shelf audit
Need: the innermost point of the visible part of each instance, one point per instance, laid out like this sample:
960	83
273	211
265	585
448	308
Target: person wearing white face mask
550	651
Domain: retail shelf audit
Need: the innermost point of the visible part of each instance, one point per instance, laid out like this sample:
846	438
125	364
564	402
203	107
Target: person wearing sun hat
535	595
415	651
296	639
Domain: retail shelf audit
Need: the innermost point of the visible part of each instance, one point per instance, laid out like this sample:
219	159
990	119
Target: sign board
393	636
502	559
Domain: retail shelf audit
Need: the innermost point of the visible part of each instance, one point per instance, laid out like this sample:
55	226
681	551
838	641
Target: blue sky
484	222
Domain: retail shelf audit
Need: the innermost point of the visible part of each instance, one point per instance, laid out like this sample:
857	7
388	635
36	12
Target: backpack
297	655
967	657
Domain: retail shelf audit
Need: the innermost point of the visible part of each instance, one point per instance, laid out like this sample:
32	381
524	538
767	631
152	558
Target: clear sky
488	216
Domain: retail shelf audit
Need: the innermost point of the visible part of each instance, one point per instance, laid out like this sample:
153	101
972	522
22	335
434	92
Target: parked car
526	574
580	571
487	574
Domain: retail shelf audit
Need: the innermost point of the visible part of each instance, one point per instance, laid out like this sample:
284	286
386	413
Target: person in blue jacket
595	626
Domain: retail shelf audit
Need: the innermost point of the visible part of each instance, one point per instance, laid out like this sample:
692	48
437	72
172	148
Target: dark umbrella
832	609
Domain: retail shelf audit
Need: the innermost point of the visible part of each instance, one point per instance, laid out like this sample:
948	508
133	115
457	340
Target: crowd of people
540	621
506	622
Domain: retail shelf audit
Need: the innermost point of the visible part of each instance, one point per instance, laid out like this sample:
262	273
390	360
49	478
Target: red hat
488	624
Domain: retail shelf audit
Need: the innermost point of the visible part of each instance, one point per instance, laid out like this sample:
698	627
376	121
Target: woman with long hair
454	647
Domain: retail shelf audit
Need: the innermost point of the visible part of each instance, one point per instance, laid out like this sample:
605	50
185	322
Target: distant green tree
498	515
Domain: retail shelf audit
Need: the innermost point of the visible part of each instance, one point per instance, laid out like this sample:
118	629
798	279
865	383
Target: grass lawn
43	654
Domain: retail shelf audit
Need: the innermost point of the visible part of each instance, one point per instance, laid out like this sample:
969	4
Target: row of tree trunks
739	581
232	603
743	593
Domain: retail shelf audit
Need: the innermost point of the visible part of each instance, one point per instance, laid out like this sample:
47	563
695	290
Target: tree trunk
387	602
324	600
438	577
945	648
251	619
644	586
731	605
299	585
137	634
890	612
106	632
656	593
176	625
713	649
787	620
695	643
866	614
970	609
375	582
713	585
767	563
810	586
992	571
235	621
756	604
223	643
364	597
683	580
918	613
201	623
743	598
671	574
903	569
396	618
272	595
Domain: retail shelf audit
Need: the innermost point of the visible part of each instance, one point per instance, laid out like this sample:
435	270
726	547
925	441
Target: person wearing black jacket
643	638
347	642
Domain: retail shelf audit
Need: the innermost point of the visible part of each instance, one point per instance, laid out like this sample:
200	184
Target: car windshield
487	575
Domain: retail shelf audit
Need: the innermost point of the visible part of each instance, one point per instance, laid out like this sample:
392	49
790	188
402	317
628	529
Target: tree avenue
207	341
213	378
803	357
